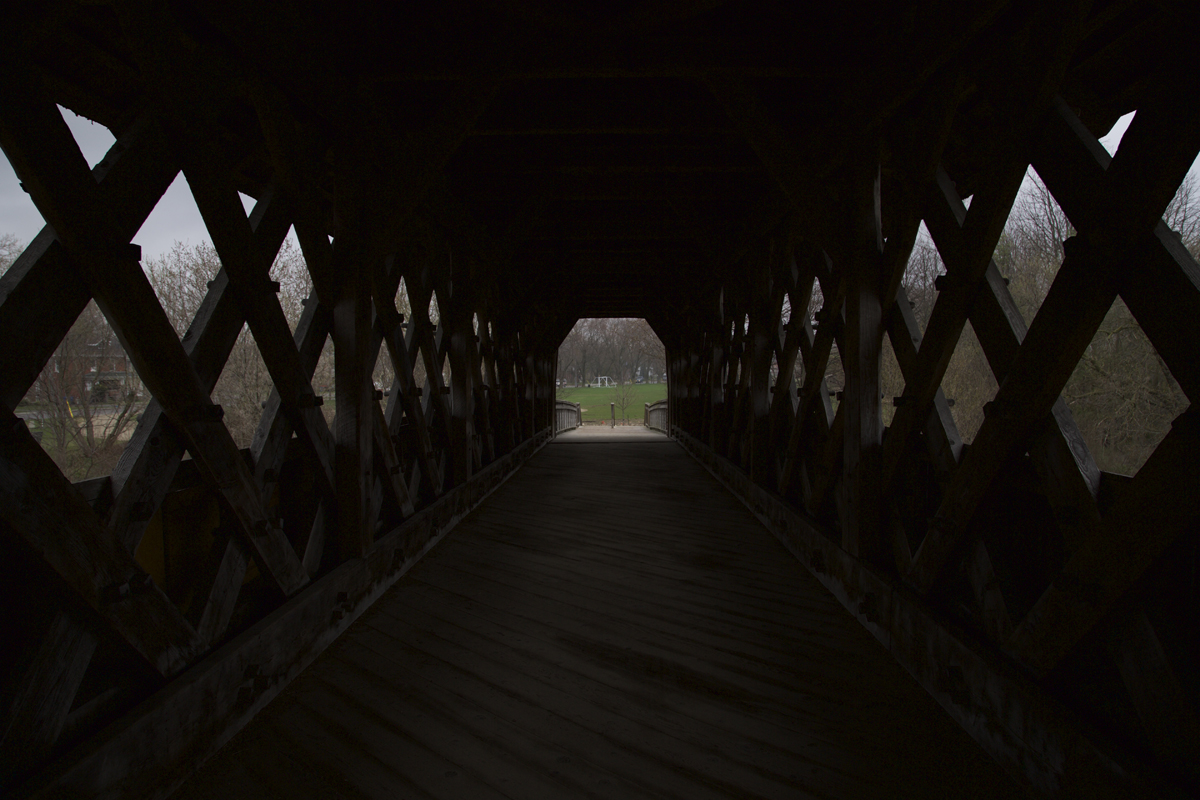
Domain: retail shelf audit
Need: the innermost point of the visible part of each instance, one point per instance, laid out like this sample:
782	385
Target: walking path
610	623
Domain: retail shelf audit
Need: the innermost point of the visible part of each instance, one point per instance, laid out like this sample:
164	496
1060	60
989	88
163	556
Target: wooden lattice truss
115	685
907	499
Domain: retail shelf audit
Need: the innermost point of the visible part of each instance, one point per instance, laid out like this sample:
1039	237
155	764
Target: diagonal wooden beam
1071	313
814	395
274	432
193	135
41	295
391	475
783	409
967	257
1163	291
223	590
942	438
404	395
1068	472
42	510
44	692
1081	295
1147	517
297	164
143	476
45	156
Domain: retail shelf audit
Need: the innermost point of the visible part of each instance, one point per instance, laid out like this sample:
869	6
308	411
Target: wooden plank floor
610	623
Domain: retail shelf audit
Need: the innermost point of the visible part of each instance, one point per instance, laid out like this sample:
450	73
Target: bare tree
181	278
10	248
86	398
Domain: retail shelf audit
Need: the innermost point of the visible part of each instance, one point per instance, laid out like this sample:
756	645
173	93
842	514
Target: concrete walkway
606	434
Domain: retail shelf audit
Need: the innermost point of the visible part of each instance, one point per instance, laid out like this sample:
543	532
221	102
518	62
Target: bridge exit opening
612	369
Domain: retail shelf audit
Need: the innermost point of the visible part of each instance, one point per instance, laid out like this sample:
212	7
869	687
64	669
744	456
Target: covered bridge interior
711	167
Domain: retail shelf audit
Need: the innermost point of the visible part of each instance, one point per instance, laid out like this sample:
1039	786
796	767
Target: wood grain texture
572	646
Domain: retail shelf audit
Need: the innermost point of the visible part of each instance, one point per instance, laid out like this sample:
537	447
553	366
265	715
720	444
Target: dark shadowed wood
43	511
607	627
38	709
143	476
37	141
862	347
1145	520
1072	311
559	650
158	743
1013	719
1168	719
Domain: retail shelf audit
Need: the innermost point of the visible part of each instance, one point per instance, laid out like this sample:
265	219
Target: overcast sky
176	217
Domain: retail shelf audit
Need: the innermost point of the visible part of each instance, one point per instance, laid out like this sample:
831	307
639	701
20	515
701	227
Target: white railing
656	415
567	415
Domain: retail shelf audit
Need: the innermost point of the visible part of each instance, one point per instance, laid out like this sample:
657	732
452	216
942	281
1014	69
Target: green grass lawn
595	400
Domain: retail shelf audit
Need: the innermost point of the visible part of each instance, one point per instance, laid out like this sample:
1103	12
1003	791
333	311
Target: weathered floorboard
661	646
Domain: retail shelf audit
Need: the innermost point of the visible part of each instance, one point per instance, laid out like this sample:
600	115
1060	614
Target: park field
595	401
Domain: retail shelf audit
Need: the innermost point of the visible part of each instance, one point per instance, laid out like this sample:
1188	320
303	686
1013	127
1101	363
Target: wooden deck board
610	623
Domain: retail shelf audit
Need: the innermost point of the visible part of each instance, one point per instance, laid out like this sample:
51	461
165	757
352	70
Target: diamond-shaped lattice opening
1122	394
243	389
475	323
968	384
10	248
418	364
402	303
295	284
1183	213
383	377
435	313
85	403
920	276
891	380
815	304
1112	140
446	371
835	373
323	381
774	374
180	278
798	375
1030	250
93	139
785	312
22	220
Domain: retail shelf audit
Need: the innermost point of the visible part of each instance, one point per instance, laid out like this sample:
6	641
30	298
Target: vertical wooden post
462	407
863	433
354	393
760	346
